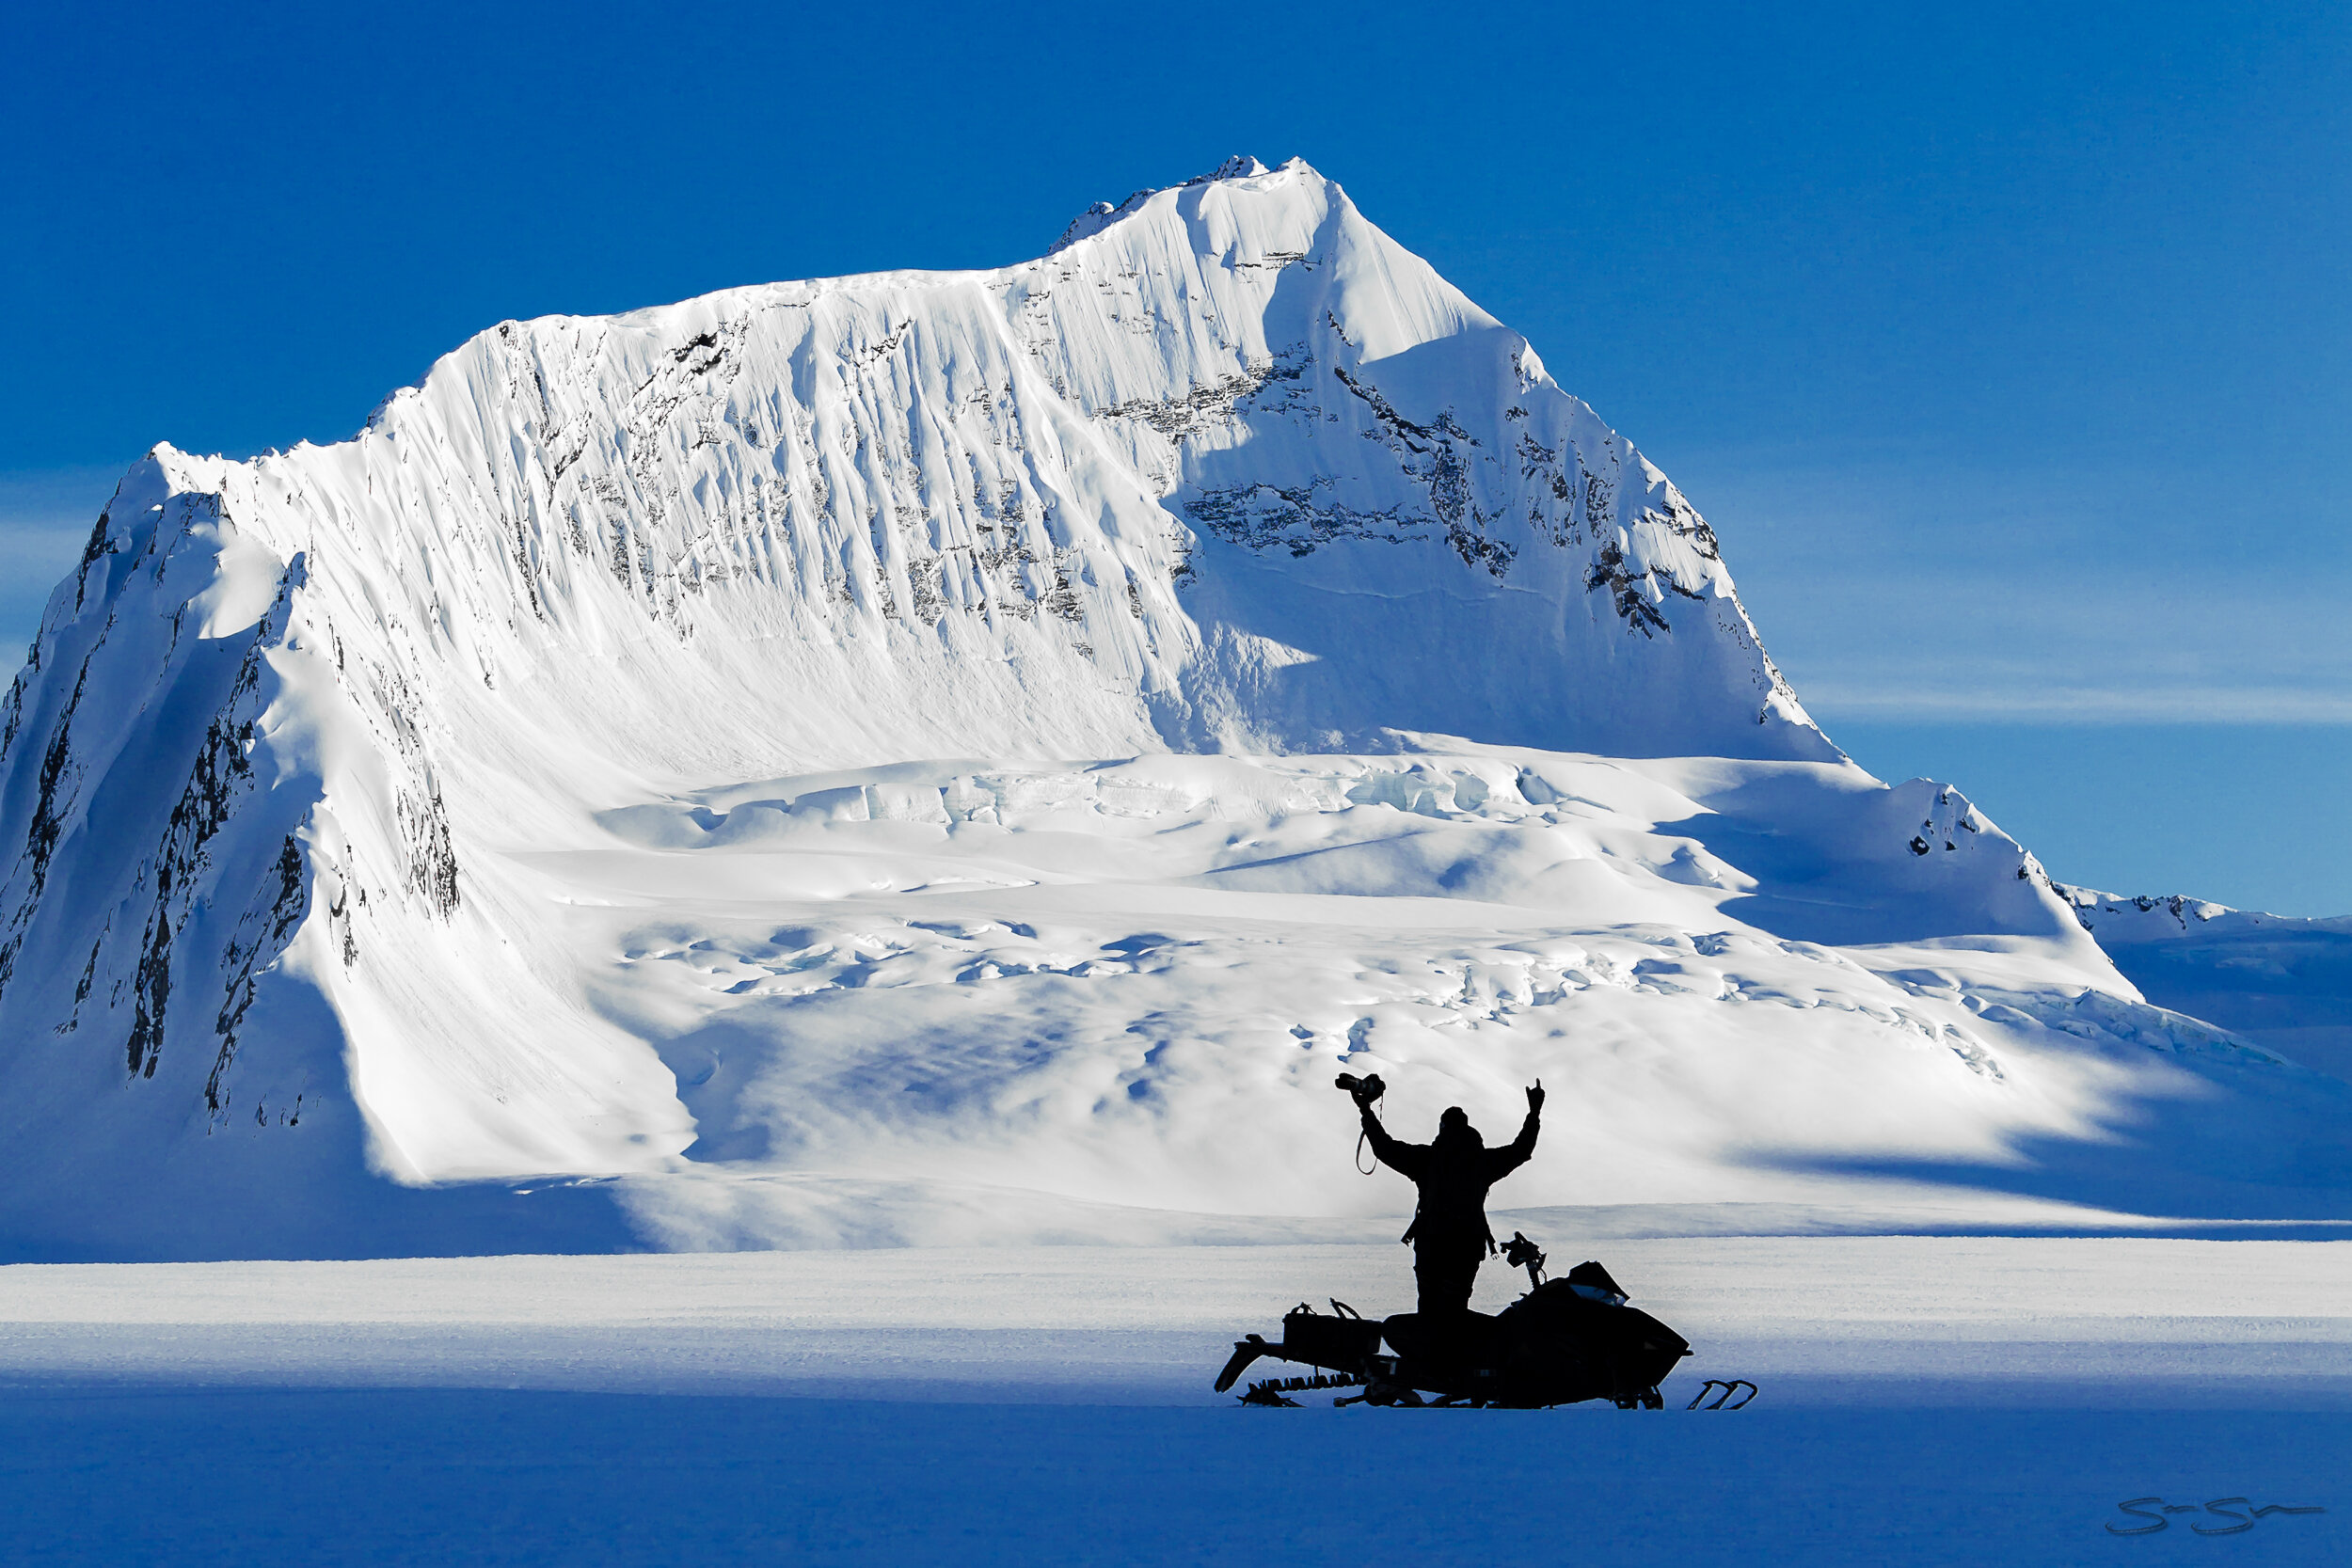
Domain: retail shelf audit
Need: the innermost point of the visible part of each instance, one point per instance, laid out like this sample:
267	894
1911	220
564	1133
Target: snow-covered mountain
1171	662
2283	982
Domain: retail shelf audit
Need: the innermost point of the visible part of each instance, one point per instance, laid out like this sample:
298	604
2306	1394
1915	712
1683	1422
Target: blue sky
2006	346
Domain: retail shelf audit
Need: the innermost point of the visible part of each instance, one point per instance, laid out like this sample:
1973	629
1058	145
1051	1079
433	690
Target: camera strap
1362	1169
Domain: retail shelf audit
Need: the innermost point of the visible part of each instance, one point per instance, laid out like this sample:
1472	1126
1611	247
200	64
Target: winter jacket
1453	1174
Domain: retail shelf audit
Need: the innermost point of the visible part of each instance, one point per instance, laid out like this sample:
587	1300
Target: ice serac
352	796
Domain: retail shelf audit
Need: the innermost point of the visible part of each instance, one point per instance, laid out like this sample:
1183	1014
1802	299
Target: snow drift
366	802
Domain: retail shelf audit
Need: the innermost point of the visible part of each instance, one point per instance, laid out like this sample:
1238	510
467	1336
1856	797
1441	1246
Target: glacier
958	757
2283	982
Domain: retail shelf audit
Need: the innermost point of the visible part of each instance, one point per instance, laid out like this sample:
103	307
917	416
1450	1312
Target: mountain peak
1239	166
1230	473
1095	218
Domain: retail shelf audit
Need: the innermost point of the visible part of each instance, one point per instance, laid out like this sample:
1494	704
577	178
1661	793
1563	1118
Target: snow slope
849	760
1131	982
2283	982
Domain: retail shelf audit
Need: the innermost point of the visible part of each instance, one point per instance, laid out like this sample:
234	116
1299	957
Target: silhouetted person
1449	1233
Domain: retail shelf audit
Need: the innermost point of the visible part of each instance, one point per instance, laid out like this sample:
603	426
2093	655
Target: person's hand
1535	1098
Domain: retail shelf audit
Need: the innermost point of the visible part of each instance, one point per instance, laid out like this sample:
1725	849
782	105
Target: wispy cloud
45	518
1922	584
54	498
2108	704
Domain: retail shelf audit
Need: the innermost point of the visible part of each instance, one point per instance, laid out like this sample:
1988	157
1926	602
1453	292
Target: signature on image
2153	1509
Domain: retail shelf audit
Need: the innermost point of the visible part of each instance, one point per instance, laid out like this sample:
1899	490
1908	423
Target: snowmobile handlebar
1520	1253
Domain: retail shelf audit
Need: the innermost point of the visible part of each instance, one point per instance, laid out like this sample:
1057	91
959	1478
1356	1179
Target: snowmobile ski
1723	1389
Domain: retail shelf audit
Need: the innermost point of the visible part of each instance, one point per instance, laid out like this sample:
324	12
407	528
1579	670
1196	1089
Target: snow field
1994	1320
1956	1399
447	1477
1010	996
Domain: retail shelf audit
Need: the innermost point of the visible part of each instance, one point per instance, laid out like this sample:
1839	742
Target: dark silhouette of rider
1449	1233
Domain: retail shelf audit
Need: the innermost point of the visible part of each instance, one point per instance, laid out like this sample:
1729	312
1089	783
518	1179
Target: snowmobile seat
1339	1341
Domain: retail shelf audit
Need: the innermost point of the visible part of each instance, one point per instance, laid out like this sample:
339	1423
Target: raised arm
1408	1160
1511	1156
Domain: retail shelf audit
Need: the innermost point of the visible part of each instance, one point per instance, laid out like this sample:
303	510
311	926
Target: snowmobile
1566	1340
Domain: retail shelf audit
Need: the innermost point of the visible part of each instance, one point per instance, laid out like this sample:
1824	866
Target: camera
1364	1090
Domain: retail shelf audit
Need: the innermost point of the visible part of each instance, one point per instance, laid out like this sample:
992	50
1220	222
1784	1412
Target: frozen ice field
1925	1400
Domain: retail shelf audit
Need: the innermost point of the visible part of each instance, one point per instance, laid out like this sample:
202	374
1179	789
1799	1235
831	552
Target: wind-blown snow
1176	664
